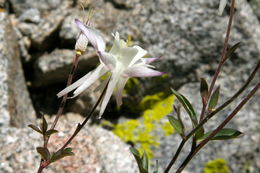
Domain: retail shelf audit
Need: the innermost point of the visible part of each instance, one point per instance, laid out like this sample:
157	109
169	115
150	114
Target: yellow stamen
78	52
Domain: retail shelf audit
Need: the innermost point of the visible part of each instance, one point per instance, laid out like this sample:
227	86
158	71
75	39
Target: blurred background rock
36	51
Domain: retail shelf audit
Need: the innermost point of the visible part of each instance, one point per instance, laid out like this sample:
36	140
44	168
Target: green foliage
141	131
131	83
216	166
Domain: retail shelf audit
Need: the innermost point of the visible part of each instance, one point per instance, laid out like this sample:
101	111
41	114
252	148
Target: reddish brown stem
61	107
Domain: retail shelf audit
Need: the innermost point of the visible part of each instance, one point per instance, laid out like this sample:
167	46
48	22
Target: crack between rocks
119	6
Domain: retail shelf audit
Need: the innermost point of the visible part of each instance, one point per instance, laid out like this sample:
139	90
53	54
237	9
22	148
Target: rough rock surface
46	32
96	150
188	34
15	107
54	67
44	6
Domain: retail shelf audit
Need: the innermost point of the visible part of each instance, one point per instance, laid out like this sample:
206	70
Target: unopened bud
81	44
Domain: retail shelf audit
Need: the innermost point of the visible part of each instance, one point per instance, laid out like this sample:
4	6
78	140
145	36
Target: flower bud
81	44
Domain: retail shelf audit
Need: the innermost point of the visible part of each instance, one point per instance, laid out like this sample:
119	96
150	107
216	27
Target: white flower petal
127	55
102	86
116	44
120	86
108	59
222	5
93	36
95	75
74	85
141	71
140	53
109	92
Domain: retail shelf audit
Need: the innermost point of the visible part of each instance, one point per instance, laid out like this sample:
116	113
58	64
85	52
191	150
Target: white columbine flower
122	62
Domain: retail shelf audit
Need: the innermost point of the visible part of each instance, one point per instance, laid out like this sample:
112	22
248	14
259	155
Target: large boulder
15	106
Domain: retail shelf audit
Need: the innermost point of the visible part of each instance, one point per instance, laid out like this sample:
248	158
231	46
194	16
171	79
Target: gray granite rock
255	4
15	107
54	67
44	6
46	33
31	15
96	150
186	33
69	31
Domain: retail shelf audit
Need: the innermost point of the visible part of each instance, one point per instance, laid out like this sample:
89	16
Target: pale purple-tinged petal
74	85
140	53
150	60
141	71
95	75
108	59
119	92
109	92
93	36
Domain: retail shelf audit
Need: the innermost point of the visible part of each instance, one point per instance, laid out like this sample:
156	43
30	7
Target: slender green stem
221	126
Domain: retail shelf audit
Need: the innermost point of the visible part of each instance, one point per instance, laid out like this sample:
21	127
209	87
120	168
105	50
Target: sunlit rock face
15	106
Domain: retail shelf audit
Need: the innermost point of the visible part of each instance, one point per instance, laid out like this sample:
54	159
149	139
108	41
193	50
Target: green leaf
44	152
145	161
204	89
44	125
232	49
187	106
61	154
214	99
37	129
138	159
51	131
224	134
156	167
200	133
176	124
